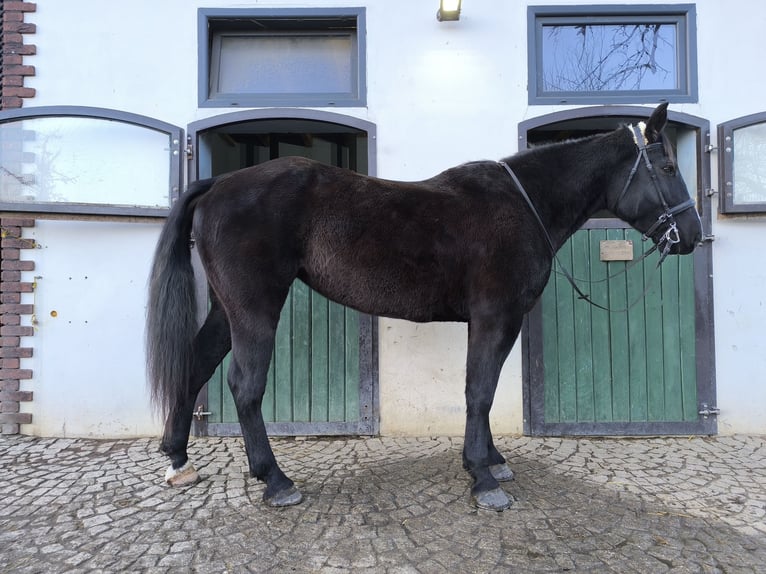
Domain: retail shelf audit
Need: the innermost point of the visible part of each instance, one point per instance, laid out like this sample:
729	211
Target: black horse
474	243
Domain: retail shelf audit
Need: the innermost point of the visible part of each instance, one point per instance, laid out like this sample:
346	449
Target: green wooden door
314	377
629	372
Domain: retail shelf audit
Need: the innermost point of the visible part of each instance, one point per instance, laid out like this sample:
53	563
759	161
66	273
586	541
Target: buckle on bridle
668	240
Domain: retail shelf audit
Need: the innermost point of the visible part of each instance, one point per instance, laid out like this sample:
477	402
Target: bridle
669	238
671	235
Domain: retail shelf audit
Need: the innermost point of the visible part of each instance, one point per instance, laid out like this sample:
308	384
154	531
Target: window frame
175	168
682	15
726	158
285	22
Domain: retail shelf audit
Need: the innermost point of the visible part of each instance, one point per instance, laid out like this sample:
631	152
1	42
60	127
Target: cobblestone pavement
386	505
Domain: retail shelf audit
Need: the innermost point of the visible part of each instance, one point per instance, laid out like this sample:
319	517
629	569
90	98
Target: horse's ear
657	123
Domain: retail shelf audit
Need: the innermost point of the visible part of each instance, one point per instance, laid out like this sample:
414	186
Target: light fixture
448	10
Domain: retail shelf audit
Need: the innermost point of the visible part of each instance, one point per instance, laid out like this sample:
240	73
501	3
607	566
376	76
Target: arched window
66	159
741	166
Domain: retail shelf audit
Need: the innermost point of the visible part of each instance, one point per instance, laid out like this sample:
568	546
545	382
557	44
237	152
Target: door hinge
708	411
189	149
708	238
200	413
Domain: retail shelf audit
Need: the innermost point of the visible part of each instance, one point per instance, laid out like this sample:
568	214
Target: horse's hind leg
252	346
211	344
489	342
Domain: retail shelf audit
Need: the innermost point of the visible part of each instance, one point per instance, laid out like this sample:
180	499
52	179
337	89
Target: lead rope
565	272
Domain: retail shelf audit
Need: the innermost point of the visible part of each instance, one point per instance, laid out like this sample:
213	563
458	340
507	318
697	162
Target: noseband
671	235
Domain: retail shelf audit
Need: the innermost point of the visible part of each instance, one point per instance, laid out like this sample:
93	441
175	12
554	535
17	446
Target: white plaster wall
440	94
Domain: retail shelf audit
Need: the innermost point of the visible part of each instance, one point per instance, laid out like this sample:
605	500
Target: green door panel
633	366
314	372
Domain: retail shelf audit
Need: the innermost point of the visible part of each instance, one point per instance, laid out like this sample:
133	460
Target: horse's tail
171	318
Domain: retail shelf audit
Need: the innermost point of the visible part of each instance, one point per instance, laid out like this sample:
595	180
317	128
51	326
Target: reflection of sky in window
86	160
612	57
749	165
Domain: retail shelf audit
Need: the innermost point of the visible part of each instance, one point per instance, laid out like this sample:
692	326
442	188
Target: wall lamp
448	10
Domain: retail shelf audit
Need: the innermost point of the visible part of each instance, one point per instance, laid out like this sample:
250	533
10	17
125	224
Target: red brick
10	231
19	70
10	297
10	341
17	222
10	276
16	331
18	396
18	242
17	418
11	265
23	309
15	16
9	406
14	102
9	319
15	374
13	60
19	92
20	27
15	352
14	37
10	253
19	48
16	287
9	385
13	81
10	363
18	6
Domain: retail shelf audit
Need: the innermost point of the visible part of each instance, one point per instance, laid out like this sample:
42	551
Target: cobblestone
386	505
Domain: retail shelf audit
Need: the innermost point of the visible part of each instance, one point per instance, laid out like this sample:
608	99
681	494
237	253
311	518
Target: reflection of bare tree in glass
41	184
749	164
609	57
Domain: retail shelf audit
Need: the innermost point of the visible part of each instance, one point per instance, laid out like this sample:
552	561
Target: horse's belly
387	295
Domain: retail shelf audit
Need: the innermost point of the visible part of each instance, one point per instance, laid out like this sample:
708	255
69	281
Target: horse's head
654	198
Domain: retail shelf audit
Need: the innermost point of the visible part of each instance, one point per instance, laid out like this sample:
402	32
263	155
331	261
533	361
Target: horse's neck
574	184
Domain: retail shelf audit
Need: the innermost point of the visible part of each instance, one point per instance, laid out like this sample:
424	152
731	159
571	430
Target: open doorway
322	379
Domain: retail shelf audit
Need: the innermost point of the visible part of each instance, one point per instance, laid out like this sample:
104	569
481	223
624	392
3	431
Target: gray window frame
175	137
300	21
682	15
727	151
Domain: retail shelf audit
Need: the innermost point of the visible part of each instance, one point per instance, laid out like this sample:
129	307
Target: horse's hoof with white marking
288	497
501	472
184	476
495	500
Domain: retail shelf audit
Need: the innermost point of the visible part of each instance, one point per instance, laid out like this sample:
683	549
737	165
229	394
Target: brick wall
13	72
11	330
14	48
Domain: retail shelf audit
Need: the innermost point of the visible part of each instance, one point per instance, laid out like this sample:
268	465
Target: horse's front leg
211	344
489	341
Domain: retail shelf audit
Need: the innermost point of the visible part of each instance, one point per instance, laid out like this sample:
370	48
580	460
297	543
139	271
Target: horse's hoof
288	497
501	472
495	500
184	476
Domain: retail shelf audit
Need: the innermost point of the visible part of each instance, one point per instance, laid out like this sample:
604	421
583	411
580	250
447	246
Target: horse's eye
669	169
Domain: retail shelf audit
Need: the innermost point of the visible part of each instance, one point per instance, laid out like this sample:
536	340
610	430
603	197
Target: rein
668	239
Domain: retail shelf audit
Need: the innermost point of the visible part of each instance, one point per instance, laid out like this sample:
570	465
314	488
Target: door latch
708	411
200	413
